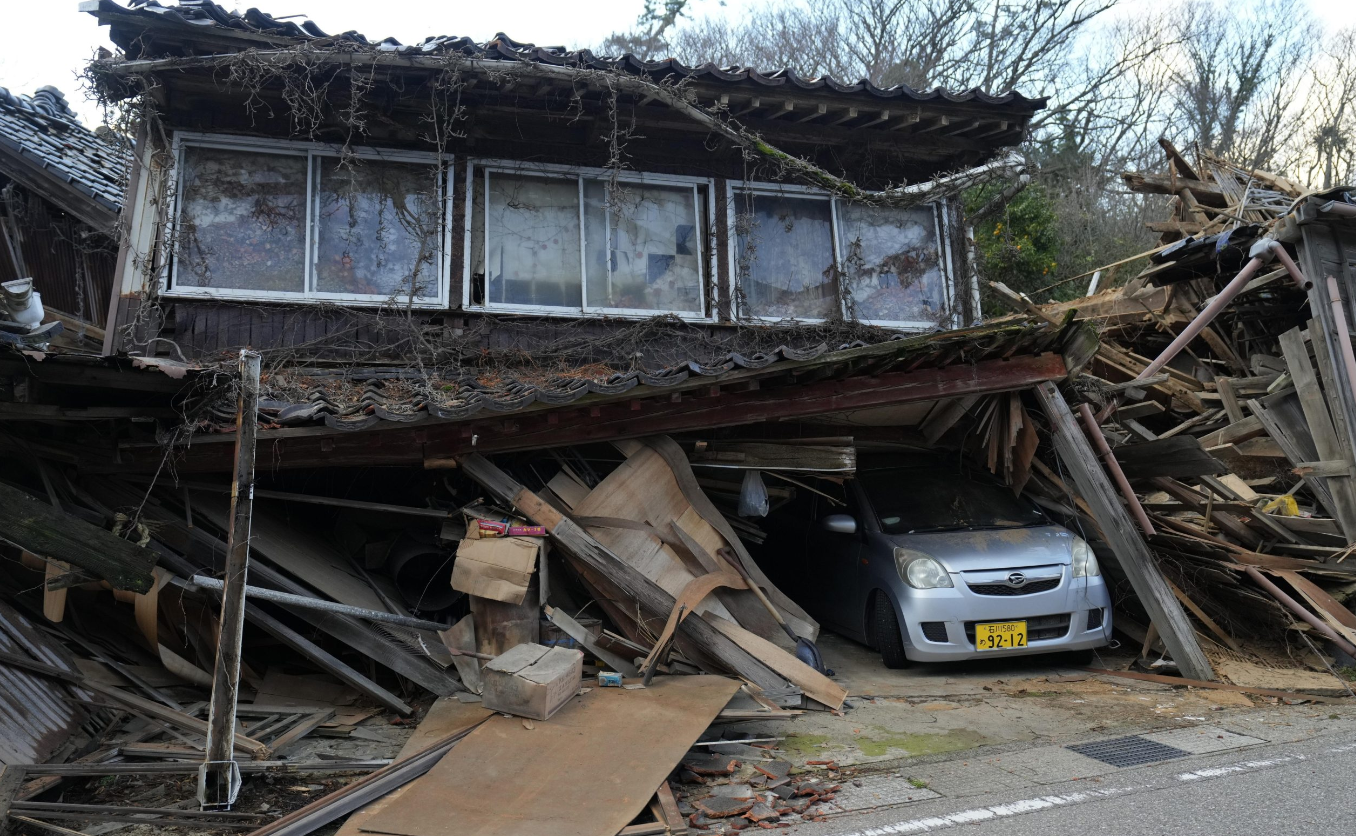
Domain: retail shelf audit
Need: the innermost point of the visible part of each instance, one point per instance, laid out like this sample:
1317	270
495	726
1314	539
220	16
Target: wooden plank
1177	457
1123	536
294	735
1181	682
1205	619
589	771
1228	399
1321	427
39	528
1228	523
1250	427
647	594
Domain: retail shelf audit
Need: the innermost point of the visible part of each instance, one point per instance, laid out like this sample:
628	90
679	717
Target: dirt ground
939	709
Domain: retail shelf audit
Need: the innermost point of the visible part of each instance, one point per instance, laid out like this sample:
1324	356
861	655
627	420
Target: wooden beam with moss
37	527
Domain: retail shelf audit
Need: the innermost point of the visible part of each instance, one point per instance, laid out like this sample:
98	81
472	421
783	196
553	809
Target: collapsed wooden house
61	189
377	304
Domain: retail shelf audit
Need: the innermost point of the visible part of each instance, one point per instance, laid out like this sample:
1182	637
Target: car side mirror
839	524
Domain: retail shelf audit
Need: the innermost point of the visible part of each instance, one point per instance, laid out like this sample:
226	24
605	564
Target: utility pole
219	775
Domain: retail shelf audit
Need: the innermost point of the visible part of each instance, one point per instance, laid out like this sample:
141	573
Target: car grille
1039	628
1044	585
1094	619
934	631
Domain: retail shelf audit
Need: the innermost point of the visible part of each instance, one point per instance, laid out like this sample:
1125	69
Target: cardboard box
531	681
499	568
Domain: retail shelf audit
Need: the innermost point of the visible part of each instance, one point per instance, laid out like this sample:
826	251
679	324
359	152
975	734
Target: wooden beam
848	116
814	114
883	117
1122	536
647	594
39	528
219	780
1315	405
608	421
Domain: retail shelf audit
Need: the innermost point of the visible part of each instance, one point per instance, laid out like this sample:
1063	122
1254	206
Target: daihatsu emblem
1016	579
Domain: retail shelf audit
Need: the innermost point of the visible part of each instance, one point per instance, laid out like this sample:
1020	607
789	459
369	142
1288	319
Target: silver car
930	562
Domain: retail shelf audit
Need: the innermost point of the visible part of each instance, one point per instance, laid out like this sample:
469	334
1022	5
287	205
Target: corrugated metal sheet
36	713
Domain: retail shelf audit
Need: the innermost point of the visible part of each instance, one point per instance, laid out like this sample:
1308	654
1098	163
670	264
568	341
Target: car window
913	499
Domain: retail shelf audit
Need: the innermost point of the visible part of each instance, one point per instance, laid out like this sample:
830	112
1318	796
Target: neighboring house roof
206	17
45	148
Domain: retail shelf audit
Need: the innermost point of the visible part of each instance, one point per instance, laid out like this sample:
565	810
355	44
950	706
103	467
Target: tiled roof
43	128
206	13
361	399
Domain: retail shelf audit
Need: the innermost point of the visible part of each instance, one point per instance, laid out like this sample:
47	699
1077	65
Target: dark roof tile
44	128
208	13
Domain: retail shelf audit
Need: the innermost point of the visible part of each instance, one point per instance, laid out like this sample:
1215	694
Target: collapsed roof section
45	148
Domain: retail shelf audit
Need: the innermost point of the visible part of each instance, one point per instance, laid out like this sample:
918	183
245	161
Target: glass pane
643	251
242	221
892	264
533	249
378	228
785	256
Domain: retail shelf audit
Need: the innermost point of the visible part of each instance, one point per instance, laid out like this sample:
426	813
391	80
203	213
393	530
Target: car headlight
1084	561
921	571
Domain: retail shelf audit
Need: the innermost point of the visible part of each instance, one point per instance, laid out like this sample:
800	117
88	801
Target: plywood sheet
445	716
588	771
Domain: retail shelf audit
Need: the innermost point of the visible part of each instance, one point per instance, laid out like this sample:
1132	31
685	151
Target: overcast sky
49	41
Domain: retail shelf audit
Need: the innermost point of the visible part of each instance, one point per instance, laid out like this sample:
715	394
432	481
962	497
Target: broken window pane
242	221
892	263
533	250
785	262
378	228
643	249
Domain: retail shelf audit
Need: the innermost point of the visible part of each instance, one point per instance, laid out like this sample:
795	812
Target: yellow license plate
1002	635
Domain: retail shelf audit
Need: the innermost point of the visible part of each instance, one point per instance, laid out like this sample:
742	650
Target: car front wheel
885	630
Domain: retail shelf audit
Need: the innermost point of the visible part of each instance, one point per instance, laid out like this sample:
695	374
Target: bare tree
1237	69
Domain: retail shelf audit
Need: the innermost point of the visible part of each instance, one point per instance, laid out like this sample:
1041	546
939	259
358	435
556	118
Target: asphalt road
1304	788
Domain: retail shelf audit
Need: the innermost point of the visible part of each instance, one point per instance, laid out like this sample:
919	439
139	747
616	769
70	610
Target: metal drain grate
1127	751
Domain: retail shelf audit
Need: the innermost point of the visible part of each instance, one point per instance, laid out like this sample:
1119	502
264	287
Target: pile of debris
350	607
1222	384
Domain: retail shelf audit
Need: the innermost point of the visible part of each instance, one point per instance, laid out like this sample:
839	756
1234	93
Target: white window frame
474	169
309	150
942	226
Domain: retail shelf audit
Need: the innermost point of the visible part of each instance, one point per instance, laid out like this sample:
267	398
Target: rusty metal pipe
1205	317
1294	606
1114	468
1292	268
1339	320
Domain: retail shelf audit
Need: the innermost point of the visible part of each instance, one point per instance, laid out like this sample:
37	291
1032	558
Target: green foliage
1018	246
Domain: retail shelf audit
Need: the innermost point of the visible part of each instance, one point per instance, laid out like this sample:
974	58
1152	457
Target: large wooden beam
39	528
720	404
1132	552
219	779
647	594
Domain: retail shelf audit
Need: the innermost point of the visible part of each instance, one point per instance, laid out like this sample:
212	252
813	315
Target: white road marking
1234	768
997	811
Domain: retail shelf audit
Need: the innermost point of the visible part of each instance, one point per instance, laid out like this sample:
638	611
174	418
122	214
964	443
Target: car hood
964	551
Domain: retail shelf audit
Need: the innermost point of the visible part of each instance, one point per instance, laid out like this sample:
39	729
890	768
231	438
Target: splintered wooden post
1125	540
219	776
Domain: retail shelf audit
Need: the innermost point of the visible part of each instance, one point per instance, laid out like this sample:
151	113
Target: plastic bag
753	495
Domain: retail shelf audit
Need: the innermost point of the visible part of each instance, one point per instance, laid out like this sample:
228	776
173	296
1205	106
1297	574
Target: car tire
885	631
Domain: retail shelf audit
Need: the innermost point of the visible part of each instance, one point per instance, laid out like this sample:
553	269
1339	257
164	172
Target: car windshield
915	499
